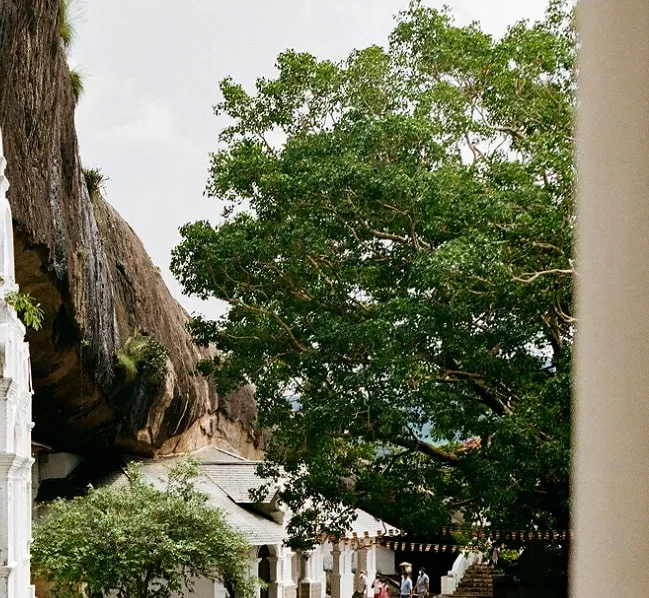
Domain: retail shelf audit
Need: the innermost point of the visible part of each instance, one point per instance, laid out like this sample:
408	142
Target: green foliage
77	84
396	251
127	365
143	355
95	180
138	541
27	308
507	557
66	25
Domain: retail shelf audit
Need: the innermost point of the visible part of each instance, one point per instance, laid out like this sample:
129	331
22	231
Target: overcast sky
151	70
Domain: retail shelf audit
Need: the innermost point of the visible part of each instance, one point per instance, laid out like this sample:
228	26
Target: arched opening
263	569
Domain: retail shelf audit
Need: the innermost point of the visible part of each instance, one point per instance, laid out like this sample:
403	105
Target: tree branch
461	503
426	448
477	382
532	276
253	308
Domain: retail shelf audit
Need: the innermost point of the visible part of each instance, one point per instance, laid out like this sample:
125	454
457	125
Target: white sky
151	70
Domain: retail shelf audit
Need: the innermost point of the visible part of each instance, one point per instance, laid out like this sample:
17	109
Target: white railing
452	579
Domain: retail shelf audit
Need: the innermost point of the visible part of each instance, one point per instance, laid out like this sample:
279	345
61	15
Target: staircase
478	582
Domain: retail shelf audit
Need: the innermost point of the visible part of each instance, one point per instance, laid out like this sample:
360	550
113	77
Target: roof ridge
230	462
239	458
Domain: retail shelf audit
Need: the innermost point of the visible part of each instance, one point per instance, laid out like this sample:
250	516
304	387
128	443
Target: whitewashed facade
15	423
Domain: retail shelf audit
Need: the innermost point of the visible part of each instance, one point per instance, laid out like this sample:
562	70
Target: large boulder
113	364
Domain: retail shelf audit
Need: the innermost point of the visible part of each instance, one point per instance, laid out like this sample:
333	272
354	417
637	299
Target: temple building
328	570
15	423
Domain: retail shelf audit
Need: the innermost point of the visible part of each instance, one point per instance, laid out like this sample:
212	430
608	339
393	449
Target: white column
371	564
289	586
276	586
361	565
253	568
611	445
311	581
342	578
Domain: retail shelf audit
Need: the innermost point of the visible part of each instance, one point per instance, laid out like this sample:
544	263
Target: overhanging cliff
92	276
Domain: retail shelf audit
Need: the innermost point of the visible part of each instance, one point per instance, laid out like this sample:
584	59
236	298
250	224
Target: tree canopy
396	251
136	540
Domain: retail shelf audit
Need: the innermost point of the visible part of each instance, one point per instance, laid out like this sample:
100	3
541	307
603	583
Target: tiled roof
227	480
258	529
237	479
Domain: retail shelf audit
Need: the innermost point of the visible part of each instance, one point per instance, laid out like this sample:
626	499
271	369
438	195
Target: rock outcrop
92	276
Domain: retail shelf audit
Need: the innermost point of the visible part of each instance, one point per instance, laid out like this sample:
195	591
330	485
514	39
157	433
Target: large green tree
396	251
137	540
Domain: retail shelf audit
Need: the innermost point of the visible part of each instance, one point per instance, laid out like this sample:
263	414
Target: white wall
385	561
57	465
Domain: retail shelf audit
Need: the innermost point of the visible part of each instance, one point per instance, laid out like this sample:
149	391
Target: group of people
421	588
379	589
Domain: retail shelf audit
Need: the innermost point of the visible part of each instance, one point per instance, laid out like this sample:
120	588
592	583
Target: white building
15	423
327	570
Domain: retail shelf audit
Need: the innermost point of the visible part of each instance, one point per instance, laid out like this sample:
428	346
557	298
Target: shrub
143	355
77	84
66	28
95	180
139	539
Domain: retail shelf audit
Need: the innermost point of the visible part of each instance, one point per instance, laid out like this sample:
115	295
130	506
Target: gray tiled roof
227	480
258	529
237	479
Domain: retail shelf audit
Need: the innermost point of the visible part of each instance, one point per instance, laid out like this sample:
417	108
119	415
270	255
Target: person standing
363	586
406	586
422	585
494	556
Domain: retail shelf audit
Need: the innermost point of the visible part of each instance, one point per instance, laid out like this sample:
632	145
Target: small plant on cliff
77	84
95	180
143	355
66	28
27	308
136	540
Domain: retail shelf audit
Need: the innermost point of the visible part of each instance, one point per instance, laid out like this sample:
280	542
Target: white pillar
15	423
277	581
611	445
253	568
289	587
311	581
342	577
370	561
361	565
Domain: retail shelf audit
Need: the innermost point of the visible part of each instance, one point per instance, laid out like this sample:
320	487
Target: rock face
92	276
